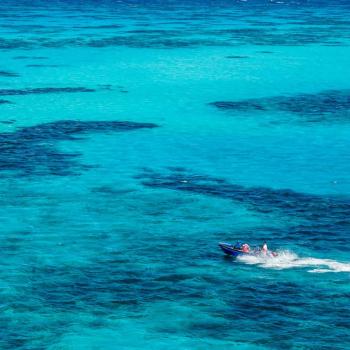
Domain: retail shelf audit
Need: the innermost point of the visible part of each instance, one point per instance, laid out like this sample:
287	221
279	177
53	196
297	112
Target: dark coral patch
330	105
8	74
32	151
261	198
144	41
30	58
48	90
114	282
2	102
109	190
106	86
43	65
15	44
322	217
104	26
294	35
65	129
237	57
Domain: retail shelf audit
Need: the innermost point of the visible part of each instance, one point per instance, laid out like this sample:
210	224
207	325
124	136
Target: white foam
289	260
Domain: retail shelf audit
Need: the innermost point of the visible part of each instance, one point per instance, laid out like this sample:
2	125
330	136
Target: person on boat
264	248
245	248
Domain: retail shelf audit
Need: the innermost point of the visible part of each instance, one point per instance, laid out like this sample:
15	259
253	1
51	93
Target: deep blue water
135	136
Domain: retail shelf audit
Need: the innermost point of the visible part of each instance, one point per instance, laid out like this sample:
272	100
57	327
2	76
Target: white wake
289	260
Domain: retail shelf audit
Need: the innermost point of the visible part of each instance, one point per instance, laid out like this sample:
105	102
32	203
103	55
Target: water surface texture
136	135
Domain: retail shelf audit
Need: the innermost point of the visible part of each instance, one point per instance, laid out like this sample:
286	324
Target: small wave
289	260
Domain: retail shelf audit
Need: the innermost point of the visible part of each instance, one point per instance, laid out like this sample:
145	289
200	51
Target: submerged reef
321	218
30	58
7	74
44	65
238	57
47	90
31	150
294	28
329	105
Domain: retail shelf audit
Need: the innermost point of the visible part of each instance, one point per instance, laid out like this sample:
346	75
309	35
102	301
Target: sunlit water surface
137	135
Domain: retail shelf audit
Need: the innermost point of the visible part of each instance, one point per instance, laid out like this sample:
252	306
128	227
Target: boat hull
228	249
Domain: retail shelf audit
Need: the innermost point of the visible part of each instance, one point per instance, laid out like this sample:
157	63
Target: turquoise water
135	136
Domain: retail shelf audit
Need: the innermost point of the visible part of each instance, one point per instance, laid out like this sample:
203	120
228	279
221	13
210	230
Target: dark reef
31	150
8	74
237	57
43	65
329	105
103	26
47	90
188	36
30	58
2	102
114	282
321	218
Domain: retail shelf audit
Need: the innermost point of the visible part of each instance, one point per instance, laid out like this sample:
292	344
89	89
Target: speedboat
233	250
239	249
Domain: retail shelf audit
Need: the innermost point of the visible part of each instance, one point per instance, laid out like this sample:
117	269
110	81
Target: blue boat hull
228	249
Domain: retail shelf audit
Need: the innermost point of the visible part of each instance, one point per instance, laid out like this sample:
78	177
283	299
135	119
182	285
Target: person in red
245	248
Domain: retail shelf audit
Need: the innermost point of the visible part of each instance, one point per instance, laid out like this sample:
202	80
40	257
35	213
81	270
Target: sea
137	135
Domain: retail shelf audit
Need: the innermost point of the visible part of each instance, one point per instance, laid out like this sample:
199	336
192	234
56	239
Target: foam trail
289	260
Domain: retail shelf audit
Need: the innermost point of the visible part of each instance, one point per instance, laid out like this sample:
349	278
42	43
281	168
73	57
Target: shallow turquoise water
236	127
